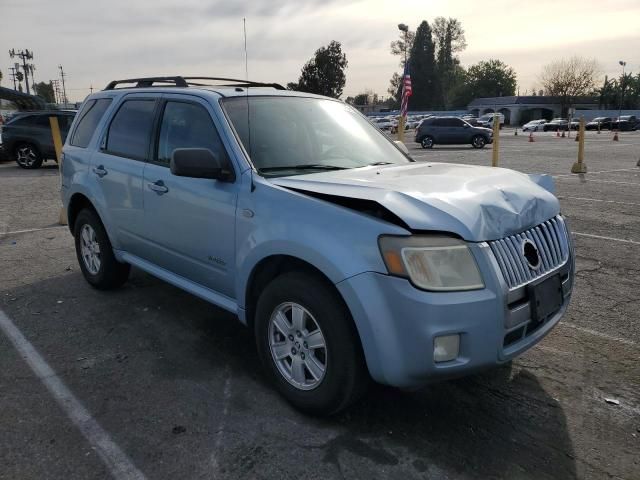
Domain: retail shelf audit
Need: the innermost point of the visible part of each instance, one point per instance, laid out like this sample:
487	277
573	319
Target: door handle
100	171
159	187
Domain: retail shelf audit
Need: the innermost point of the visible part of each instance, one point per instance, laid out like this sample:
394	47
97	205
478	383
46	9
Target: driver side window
187	125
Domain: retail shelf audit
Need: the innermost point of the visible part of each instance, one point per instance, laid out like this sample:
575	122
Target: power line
24	55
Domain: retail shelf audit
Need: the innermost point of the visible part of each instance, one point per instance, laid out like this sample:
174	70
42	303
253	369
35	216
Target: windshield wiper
314	166
379	163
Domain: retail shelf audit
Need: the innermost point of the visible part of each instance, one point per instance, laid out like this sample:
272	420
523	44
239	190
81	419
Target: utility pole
24	55
56	90
64	90
13	77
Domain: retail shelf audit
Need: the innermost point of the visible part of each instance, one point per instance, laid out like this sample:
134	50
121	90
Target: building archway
507	115
488	110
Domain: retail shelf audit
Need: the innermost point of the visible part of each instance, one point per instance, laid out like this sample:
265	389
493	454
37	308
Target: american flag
406	90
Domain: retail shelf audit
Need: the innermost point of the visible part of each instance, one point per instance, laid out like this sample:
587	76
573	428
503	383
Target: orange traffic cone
531	137
615	136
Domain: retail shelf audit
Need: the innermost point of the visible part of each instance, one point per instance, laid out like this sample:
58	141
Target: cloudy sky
97	41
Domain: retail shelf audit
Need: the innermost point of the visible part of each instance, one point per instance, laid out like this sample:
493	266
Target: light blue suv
348	259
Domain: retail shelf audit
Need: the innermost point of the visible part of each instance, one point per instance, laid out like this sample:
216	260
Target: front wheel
308	344
478	141
95	254
427	142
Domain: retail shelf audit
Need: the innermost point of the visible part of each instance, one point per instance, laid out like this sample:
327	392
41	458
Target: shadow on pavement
150	354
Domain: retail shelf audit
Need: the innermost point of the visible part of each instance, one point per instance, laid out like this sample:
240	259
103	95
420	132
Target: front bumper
398	323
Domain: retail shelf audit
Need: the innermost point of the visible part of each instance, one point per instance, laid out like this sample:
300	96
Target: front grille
550	238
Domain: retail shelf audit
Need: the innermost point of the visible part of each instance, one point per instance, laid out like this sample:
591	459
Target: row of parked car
624	123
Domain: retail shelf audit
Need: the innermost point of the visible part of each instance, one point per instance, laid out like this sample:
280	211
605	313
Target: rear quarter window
90	116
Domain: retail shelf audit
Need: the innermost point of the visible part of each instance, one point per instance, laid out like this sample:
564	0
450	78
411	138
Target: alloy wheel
90	249
297	346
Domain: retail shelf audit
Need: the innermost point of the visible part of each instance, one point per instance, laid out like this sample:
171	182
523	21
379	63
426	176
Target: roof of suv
225	87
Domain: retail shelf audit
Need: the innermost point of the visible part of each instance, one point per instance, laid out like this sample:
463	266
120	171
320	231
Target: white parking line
113	457
28	230
601	237
596	200
599	334
602	171
226	395
600	181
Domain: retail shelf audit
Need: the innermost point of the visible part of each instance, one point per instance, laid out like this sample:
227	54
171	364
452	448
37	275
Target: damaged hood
477	203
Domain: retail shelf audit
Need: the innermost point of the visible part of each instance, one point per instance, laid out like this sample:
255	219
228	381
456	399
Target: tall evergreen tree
324	73
422	66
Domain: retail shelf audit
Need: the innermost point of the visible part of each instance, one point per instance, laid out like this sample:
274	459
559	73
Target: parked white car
486	120
533	125
383	123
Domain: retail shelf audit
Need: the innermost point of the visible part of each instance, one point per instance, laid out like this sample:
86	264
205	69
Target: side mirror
401	146
197	163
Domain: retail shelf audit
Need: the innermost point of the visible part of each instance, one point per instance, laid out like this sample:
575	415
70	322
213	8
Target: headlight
432	262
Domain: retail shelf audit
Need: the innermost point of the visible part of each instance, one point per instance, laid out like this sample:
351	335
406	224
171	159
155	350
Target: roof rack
179	81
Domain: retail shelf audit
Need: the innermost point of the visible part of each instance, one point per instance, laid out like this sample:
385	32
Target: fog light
446	348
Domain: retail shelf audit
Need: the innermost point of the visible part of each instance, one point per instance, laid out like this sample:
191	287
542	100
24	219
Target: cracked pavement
176	382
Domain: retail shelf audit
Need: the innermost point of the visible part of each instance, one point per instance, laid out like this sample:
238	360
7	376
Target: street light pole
623	64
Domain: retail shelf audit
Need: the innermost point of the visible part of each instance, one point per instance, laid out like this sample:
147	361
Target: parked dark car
602	123
555	125
627	123
574	124
27	139
451	131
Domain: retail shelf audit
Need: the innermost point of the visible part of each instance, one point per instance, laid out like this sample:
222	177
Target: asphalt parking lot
172	387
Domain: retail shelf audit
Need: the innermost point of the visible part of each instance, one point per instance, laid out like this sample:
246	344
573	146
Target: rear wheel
308	344
28	156
427	142
95	254
478	141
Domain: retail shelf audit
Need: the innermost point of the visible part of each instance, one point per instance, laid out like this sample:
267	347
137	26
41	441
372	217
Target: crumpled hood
477	203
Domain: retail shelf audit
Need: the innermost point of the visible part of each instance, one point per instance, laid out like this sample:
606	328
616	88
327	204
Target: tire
478	141
27	156
427	142
340	376
99	266
535	129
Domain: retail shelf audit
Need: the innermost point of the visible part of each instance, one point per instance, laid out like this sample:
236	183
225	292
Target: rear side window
89	117
130	129
187	125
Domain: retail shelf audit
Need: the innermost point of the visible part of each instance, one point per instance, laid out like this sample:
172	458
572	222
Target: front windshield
296	135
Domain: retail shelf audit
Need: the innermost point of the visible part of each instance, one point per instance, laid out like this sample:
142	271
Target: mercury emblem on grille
530	253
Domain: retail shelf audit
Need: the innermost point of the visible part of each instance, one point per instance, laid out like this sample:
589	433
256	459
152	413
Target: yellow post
401	128
496	140
580	166
57	145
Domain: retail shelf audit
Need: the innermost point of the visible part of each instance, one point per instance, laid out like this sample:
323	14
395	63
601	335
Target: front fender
336	240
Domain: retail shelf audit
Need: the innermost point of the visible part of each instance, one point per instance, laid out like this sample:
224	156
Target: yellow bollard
57	145
401	128
496	141
580	166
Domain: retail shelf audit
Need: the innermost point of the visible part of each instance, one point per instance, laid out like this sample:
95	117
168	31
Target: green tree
45	90
404	43
395	90
423	70
0	77
491	78
324	73
449	39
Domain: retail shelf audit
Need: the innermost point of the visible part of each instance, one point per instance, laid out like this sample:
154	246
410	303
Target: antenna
246	73
246	61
